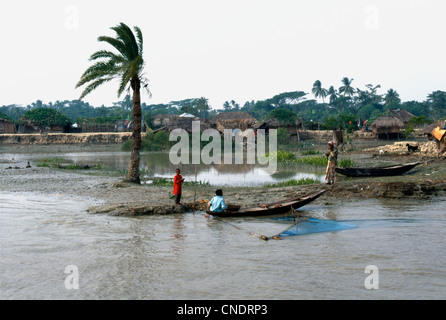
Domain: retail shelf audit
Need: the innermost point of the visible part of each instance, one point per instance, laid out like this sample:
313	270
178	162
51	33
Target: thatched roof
186	124
229	116
274	123
387	124
428	129
161	120
402	114
233	120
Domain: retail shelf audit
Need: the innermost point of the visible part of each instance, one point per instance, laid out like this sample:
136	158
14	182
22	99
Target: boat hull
275	208
377	171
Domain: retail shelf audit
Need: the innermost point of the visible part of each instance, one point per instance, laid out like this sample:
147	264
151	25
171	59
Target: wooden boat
274	208
394	170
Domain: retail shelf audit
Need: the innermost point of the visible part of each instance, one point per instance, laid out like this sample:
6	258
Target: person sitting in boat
217	203
332	157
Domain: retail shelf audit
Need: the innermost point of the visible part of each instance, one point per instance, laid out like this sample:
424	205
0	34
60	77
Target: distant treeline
322	108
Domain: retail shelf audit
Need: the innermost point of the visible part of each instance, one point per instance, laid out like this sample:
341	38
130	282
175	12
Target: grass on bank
319	161
62	164
292	182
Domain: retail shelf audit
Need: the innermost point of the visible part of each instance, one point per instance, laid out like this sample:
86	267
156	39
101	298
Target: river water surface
188	256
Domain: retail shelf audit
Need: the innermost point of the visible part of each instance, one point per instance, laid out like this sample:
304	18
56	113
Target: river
51	248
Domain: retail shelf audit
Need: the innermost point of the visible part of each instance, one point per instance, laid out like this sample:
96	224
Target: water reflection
158	165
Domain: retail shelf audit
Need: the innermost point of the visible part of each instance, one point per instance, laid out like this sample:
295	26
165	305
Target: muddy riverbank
109	196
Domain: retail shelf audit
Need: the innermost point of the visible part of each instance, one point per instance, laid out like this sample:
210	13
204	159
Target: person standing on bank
332	157
178	186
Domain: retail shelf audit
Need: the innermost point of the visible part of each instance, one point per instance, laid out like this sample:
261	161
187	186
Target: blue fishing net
306	225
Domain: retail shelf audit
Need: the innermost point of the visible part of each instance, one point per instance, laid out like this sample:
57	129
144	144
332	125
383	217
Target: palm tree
332	94
347	88
318	91
127	66
392	99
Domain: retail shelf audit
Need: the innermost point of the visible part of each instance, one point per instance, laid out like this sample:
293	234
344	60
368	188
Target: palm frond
126	65
94	85
132	71
98	70
126	35
117	44
140	39
106	55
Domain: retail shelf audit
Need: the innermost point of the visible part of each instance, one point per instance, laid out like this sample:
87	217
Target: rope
296	221
263	237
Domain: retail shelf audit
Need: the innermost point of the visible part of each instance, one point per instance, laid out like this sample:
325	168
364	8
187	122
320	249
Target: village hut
233	120
27	126
387	127
401	114
6	126
185	123
427	131
273	123
161	120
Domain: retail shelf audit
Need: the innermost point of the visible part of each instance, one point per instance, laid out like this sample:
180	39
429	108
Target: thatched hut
401	114
427	131
6	126
161	120
387	127
273	123
185	123
233	120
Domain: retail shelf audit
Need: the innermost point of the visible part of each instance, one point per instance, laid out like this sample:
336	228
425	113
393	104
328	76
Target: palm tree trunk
133	173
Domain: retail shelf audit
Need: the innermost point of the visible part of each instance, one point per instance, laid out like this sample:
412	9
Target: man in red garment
177	186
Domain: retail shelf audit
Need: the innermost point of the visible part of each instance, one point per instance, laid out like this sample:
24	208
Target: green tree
202	106
284	116
347	88
46	117
392	99
437	103
127	66
333	95
318	91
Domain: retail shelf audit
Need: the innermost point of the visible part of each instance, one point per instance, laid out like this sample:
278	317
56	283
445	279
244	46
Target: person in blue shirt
217	203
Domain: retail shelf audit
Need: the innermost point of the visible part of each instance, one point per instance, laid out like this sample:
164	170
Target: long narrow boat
394	170
274	208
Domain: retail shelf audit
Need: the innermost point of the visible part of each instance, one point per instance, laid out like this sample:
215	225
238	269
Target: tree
392	99
318	91
332	94
127	66
46	117
437	103
284	116
202	105
347	88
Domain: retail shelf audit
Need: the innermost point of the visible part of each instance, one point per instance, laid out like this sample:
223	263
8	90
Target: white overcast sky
226	50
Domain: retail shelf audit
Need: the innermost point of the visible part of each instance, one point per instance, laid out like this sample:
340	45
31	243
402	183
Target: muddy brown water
44	235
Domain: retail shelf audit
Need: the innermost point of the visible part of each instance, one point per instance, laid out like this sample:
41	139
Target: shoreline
108	195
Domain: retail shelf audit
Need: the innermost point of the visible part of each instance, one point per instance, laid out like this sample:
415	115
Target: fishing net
307	225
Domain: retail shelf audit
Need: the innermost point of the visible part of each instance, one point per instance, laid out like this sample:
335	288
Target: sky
225	50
